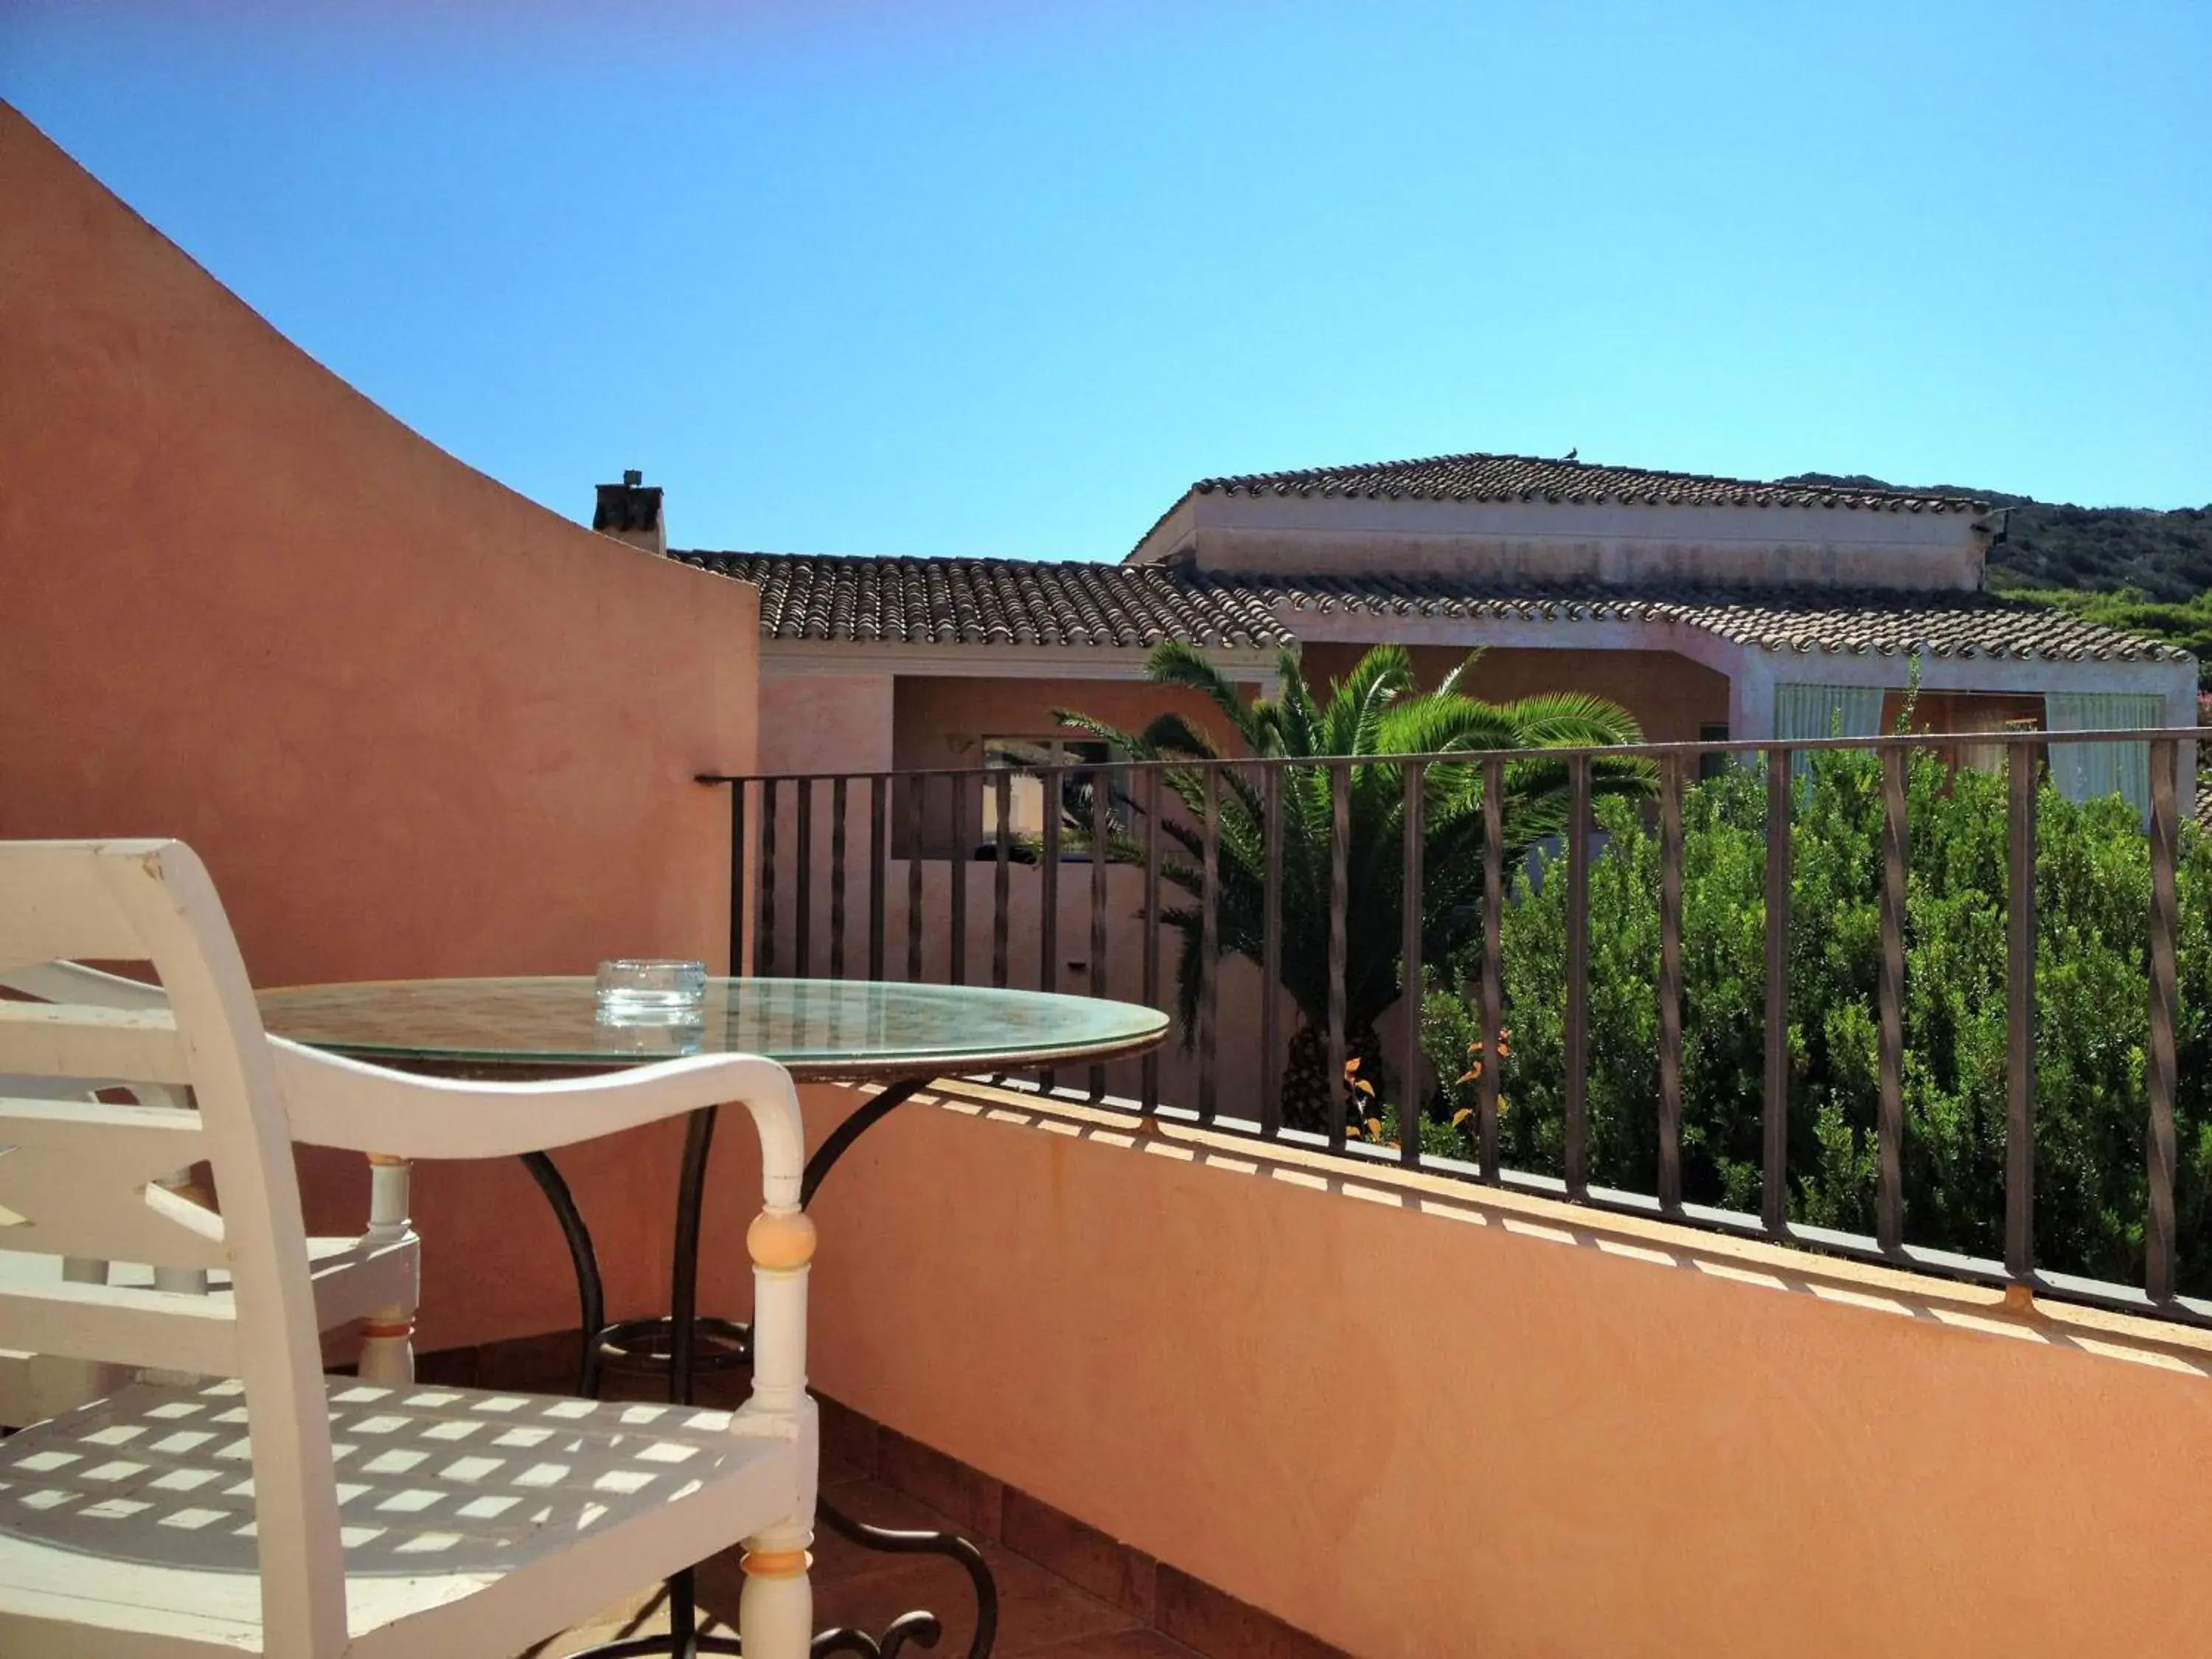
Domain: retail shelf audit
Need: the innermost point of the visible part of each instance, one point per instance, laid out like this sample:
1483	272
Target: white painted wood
474	1520
275	1511
775	1610
63	1040
353	1279
72	981
387	1345
121	1324
60	907
85	1175
336	1101
376	1286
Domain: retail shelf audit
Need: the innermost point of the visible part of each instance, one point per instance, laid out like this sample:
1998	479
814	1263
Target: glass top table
901	1036
819	1029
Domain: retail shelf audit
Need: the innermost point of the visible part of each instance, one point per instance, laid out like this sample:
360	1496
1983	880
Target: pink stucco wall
415	724
1670	696
1421	1419
940	720
825	722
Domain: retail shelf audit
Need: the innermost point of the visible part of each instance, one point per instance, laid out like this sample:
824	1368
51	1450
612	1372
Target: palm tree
1374	715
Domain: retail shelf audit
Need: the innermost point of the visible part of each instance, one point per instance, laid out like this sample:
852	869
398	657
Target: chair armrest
336	1101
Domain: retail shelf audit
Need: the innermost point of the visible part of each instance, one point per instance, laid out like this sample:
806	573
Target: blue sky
999	278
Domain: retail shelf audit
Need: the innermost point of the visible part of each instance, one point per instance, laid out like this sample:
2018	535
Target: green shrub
2091	977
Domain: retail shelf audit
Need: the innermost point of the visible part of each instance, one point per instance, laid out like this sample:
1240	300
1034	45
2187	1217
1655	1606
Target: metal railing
774	905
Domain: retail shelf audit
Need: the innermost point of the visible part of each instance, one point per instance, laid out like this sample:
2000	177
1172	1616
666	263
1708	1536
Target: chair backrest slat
72	981
81	1178
46	1039
118	1324
152	901
56	909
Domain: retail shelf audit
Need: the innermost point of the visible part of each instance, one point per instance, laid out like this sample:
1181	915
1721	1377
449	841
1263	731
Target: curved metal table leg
921	1628
842	1137
586	1260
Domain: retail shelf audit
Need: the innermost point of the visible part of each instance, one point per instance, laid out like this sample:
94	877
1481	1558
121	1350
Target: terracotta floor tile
1033	1612
1114	1644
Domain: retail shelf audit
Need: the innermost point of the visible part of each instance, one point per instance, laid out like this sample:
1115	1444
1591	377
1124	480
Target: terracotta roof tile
1021	602
1875	622
1481	477
1012	602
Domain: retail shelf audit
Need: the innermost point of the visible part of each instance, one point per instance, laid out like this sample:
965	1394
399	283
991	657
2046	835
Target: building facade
1710	608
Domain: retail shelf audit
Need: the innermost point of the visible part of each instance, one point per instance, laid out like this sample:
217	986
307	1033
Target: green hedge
2093	883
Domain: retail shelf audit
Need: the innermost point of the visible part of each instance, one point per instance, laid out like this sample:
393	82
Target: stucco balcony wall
1416	1419
415	724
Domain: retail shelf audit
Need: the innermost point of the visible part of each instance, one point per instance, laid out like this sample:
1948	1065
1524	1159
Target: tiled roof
1478	477
917	601
1021	602
1882	622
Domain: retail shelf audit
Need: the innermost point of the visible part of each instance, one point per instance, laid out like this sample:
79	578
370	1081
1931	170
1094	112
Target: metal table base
683	1343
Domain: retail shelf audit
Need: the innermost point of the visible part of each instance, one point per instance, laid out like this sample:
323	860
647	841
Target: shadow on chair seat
143	1503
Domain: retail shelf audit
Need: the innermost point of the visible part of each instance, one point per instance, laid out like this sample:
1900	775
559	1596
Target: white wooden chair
373	1279
278	1510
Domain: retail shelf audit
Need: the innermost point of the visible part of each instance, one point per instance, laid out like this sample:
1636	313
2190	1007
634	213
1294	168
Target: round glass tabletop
820	1029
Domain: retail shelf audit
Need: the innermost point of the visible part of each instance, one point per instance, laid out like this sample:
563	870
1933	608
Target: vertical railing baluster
1670	985
1339	850
879	868
838	806
802	943
1493	973
765	942
737	788
1270	951
1209	943
1774	1184
1049	904
1151	1083
1889	1130
1002	845
1578	1032
2159	1236
1410	1093
956	898
1102	847
2019	1012
914	817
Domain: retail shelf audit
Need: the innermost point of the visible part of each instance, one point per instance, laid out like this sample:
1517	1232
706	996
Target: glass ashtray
648	991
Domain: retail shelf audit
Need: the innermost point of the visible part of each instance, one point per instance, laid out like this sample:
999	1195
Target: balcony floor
1041	1615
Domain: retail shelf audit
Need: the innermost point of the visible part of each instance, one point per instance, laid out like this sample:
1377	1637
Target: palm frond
1174	663
1453	684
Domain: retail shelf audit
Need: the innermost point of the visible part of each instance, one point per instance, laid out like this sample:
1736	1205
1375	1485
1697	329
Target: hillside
2161	557
2140	571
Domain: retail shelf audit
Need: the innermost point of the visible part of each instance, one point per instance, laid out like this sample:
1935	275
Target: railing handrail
1684	748
897	801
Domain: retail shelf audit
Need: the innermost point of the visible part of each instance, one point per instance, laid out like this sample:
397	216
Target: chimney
630	511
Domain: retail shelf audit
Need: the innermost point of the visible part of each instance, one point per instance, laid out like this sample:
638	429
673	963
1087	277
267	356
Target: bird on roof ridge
1572	453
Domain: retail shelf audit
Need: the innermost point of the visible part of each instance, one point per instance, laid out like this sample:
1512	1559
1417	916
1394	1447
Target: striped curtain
2090	771
1825	711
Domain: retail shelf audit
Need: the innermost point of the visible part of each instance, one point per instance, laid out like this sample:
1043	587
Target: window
1026	758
